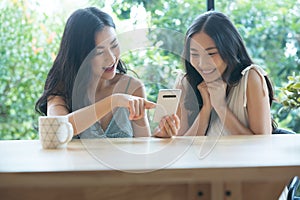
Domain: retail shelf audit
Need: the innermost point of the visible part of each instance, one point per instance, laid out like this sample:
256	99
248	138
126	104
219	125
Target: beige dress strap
245	73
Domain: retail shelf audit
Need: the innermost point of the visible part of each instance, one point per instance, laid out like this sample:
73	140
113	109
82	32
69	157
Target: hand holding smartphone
167	103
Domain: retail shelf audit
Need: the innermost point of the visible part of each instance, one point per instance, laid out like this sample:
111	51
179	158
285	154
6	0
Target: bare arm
182	112
257	106
82	118
87	116
200	124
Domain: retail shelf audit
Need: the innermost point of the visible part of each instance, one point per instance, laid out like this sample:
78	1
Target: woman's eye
195	55
115	45
211	54
99	53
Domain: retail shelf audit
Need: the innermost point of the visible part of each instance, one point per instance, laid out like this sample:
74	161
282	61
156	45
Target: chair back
282	131
293	187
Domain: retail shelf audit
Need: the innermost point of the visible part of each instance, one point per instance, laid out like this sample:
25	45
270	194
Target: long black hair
231	48
77	42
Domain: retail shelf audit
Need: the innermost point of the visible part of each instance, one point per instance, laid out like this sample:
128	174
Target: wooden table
231	167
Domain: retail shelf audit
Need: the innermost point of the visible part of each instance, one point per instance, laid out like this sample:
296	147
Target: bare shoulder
133	85
56	100
182	83
135	81
256	83
131	82
56	105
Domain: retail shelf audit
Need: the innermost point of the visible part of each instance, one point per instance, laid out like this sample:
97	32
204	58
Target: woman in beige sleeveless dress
224	92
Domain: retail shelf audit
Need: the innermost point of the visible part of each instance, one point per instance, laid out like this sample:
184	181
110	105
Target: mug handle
70	132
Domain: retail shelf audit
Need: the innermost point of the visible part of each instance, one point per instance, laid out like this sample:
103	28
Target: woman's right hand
168	127
136	105
202	87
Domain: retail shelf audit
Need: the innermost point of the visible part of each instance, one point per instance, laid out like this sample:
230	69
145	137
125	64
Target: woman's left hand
168	127
217	93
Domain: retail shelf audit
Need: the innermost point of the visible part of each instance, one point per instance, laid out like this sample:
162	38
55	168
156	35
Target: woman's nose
206	60
110	57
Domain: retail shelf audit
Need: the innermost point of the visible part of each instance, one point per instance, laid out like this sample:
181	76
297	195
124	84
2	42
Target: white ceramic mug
55	131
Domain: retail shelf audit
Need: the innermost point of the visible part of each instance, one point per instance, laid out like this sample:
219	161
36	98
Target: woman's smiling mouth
208	71
109	68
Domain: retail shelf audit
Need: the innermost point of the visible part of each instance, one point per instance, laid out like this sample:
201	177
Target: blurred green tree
27	50
30	40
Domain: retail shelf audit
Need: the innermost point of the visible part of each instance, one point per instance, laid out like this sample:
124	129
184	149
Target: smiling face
107	53
205	58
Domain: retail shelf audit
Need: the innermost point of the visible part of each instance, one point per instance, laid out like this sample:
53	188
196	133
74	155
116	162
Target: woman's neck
96	87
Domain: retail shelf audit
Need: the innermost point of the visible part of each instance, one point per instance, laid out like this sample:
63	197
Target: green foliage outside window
290	98
28	47
30	40
292	93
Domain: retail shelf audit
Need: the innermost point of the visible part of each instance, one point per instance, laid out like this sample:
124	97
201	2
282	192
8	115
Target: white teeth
105	68
208	71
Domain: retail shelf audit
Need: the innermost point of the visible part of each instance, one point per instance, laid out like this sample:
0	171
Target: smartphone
167	103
